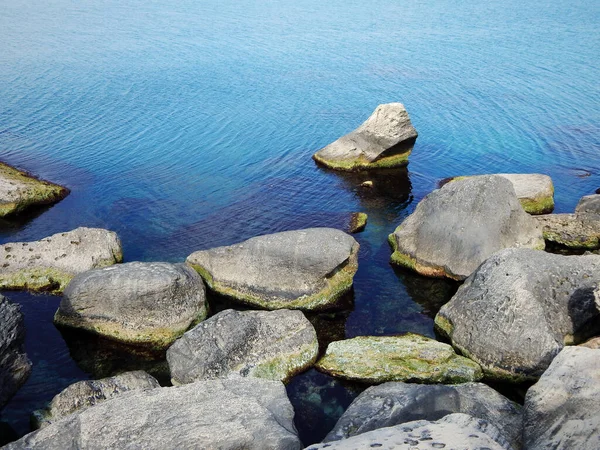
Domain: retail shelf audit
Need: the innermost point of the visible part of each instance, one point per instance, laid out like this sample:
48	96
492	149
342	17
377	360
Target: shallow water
190	125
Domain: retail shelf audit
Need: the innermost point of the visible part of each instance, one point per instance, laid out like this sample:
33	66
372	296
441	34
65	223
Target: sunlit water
186	125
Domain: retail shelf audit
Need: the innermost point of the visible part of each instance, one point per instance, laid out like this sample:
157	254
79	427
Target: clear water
186	125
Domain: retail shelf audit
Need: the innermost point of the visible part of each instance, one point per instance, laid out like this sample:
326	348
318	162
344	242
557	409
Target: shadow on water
11	224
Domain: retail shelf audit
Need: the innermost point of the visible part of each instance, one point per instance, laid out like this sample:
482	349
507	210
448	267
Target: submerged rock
358	222
455	228
15	367
305	269
562	410
19	191
246	413
148	304
411	358
385	139
520	307
49	264
83	394
455	431
265	344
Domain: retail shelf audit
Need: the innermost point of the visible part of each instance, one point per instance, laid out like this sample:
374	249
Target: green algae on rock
384	140
19	191
409	358
358	222
307	269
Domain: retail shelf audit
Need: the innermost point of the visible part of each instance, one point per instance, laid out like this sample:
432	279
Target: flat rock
455	228
146	304
411	358
491	317
562	410
575	231
385	139
49	264
266	344
247	413
83	394
453	432
305	269
396	403
19	191
15	367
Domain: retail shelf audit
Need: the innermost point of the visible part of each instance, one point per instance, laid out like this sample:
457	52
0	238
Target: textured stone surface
15	367
453	432
266	344
562	410
576	231
303	269
246	413
455	228
412	358
590	204
83	394
19	191
520	307
358	222
384	140
50	263
149	304
592	343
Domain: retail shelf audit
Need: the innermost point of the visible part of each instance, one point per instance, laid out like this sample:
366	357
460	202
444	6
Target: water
186	125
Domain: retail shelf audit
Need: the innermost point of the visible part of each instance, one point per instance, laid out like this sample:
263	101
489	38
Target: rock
562	410
19	191
305	269
146	304
592	343
367	184
358	222
573	231
15	367
83	394
385	139
396	403
491	317
411	358
455	431
265	344
589	205
246	413
49	264
455	228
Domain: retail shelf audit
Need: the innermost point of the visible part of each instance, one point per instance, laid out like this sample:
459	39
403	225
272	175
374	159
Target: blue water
186	125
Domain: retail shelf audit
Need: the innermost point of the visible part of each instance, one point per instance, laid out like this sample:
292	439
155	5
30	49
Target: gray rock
562	410
15	367
266	344
147	304
385	139
590	204
305	269
83	394
396	403
19	191
453	432
574	231
411	357
246	413
520	307
455	228
49	264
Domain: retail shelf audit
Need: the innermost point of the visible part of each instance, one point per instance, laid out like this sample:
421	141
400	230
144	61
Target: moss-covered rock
358	222
573	231
410	358
19	191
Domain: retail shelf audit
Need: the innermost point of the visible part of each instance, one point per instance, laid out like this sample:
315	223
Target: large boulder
266	344
49	264
411	358
455	228
87	393
15	367
146	304
385	139
562	410
396	403
455	431
520	308
305	269
19	191
246	413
